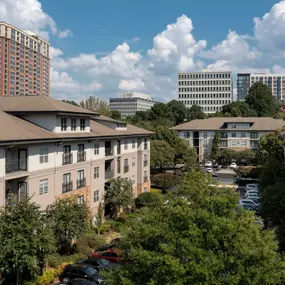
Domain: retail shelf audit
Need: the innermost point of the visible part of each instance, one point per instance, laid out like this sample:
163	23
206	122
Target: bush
148	199
249	172
47	278
56	260
122	218
86	243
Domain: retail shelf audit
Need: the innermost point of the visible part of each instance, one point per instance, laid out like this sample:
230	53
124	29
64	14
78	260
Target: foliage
69	220
195	113
70	102
161	111
166	180
99	216
215	152
162	153
199	236
26	239
248	172
179	111
56	260
96	105
148	199
238	109
116	115
260	100
119	194
240	156
88	242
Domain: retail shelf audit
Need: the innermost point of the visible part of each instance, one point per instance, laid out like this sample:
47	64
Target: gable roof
217	123
32	104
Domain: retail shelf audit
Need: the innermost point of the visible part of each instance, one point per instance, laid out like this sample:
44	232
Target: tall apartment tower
209	90
276	82
24	63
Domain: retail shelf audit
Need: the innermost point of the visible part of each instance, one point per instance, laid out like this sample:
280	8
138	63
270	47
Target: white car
208	164
252	191
251	186
254	198
233	165
248	202
252	195
209	170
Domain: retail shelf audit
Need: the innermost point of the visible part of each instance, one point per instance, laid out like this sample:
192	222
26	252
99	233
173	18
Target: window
234	135
234	143
242	135
73	124
234	126
145	143
80	199
43	186
125	145
44	155
133	179
133	161
67	184
205	143
96	196
205	135
96	148
96	172
243	143
186	135
133	144
82	124
80	179
63	124
254	135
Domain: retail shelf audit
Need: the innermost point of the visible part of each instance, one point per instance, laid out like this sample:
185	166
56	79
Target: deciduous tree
96	105
195	113
238	109
215	152
162	153
179	111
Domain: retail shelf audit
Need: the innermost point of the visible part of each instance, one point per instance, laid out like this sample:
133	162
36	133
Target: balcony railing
145	163
109	174
145	179
67	158
81	183
67	187
16	165
108	151
126	168
81	156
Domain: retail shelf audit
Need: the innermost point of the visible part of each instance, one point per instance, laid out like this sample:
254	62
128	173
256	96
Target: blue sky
102	48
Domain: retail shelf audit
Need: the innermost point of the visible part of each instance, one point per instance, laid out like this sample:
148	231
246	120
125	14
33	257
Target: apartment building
276	82
24	63
49	149
236	133
131	102
209	90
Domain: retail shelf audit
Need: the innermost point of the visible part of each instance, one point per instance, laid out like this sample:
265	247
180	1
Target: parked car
255	199
110	256
249	207
247	202
73	271
208	164
252	191
252	195
79	281
233	165
97	263
208	170
215	165
251	186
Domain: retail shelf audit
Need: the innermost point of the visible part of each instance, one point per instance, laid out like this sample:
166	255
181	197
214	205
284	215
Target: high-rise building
24	63
276	82
210	90
131	102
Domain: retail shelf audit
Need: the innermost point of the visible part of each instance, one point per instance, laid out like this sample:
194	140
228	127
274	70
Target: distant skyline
102	48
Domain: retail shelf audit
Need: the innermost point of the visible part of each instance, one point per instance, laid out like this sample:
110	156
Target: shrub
86	243
55	260
47	278
123	217
105	227
148	199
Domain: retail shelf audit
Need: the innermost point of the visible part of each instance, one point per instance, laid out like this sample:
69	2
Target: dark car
97	263
106	247
81	271
79	281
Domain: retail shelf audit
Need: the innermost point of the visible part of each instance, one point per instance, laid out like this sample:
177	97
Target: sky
103	48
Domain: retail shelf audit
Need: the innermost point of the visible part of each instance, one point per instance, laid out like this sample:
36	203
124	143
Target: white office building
131	102
210	90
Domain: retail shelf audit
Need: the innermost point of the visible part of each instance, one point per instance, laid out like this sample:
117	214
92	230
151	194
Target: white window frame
133	161
96	172
63	124
43	187
96	148
126	145
82	124
44	155
80	200
73	124
133	143
96	196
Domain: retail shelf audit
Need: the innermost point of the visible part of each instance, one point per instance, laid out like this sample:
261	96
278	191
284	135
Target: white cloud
65	34
136	84
28	15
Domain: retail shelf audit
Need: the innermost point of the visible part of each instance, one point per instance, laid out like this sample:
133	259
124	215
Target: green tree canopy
116	115
238	109
69	221
260	100
118	195
26	238
199	236
161	111
215	152
195	113
178	110
162	153
96	105
70	102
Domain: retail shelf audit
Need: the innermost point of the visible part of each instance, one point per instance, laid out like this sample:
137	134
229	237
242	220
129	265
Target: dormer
113	124
237	125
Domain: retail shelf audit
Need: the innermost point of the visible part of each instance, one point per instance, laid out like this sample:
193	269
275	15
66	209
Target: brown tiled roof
16	104
258	124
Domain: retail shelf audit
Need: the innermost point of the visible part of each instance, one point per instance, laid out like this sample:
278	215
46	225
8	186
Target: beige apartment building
49	149
24	63
236	133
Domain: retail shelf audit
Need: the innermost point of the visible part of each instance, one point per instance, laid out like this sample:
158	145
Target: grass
153	190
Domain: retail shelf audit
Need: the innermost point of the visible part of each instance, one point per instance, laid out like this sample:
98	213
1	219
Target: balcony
67	187
81	183
16	165
145	179
145	145
81	156
108	151
109	174
145	163
67	158
126	168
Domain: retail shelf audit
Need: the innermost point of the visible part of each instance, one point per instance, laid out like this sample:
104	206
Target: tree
215	152
238	109
228	155
70	102
199	236
26	238
179	111
118	195
116	115
162	153
195	113
96	105
161	111
69	221
260	100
